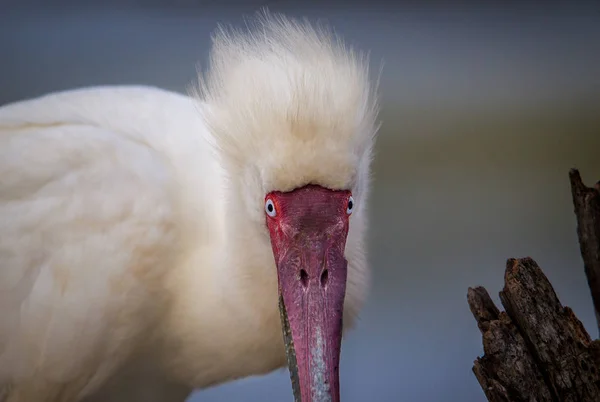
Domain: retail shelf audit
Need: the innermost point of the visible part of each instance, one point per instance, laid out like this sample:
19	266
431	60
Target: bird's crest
288	104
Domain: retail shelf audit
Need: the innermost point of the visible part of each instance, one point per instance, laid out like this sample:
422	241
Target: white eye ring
270	208
350	205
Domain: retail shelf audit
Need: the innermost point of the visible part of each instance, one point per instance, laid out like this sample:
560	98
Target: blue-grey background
485	110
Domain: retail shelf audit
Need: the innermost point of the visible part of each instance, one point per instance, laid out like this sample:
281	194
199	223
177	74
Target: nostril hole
324	277
304	278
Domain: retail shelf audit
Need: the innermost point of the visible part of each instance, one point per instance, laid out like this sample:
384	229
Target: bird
154	242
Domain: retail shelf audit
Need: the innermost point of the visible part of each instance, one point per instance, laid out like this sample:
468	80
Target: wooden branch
537	350
586	201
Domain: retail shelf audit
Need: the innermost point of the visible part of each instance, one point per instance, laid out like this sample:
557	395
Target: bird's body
102	217
135	263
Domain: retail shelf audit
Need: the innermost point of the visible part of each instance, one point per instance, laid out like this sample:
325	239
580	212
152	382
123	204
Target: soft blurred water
485	111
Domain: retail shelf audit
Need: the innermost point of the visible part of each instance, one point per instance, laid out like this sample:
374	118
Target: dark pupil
270	207
350	204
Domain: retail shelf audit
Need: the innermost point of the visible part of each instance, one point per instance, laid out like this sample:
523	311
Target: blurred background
485	109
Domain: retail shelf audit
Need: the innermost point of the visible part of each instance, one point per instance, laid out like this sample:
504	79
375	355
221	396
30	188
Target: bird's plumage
133	249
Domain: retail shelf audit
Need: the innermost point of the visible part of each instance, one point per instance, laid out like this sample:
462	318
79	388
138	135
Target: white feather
133	253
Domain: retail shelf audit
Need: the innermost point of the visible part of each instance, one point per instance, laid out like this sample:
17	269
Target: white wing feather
87	230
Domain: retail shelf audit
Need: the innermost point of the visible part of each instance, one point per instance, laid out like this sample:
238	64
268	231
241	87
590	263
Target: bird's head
293	115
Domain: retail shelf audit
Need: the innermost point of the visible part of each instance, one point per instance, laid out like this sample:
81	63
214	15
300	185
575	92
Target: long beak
312	287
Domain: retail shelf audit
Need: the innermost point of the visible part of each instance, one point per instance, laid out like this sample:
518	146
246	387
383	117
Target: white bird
146	236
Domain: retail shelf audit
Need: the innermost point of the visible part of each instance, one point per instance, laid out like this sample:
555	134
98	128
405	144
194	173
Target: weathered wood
506	372
586	201
537	350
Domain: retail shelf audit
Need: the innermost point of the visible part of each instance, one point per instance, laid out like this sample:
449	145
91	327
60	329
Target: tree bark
537	350
586	201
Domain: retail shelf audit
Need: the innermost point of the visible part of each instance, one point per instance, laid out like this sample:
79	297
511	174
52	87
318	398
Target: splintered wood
537	350
586	201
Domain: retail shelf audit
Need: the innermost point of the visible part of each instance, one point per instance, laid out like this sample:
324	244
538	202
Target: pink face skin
308	228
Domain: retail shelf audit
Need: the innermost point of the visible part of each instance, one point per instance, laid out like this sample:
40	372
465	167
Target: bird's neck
225	303
247	276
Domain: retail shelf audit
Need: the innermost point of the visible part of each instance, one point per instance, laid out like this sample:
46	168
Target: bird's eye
270	208
350	205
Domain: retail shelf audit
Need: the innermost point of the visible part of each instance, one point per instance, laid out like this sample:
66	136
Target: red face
308	228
